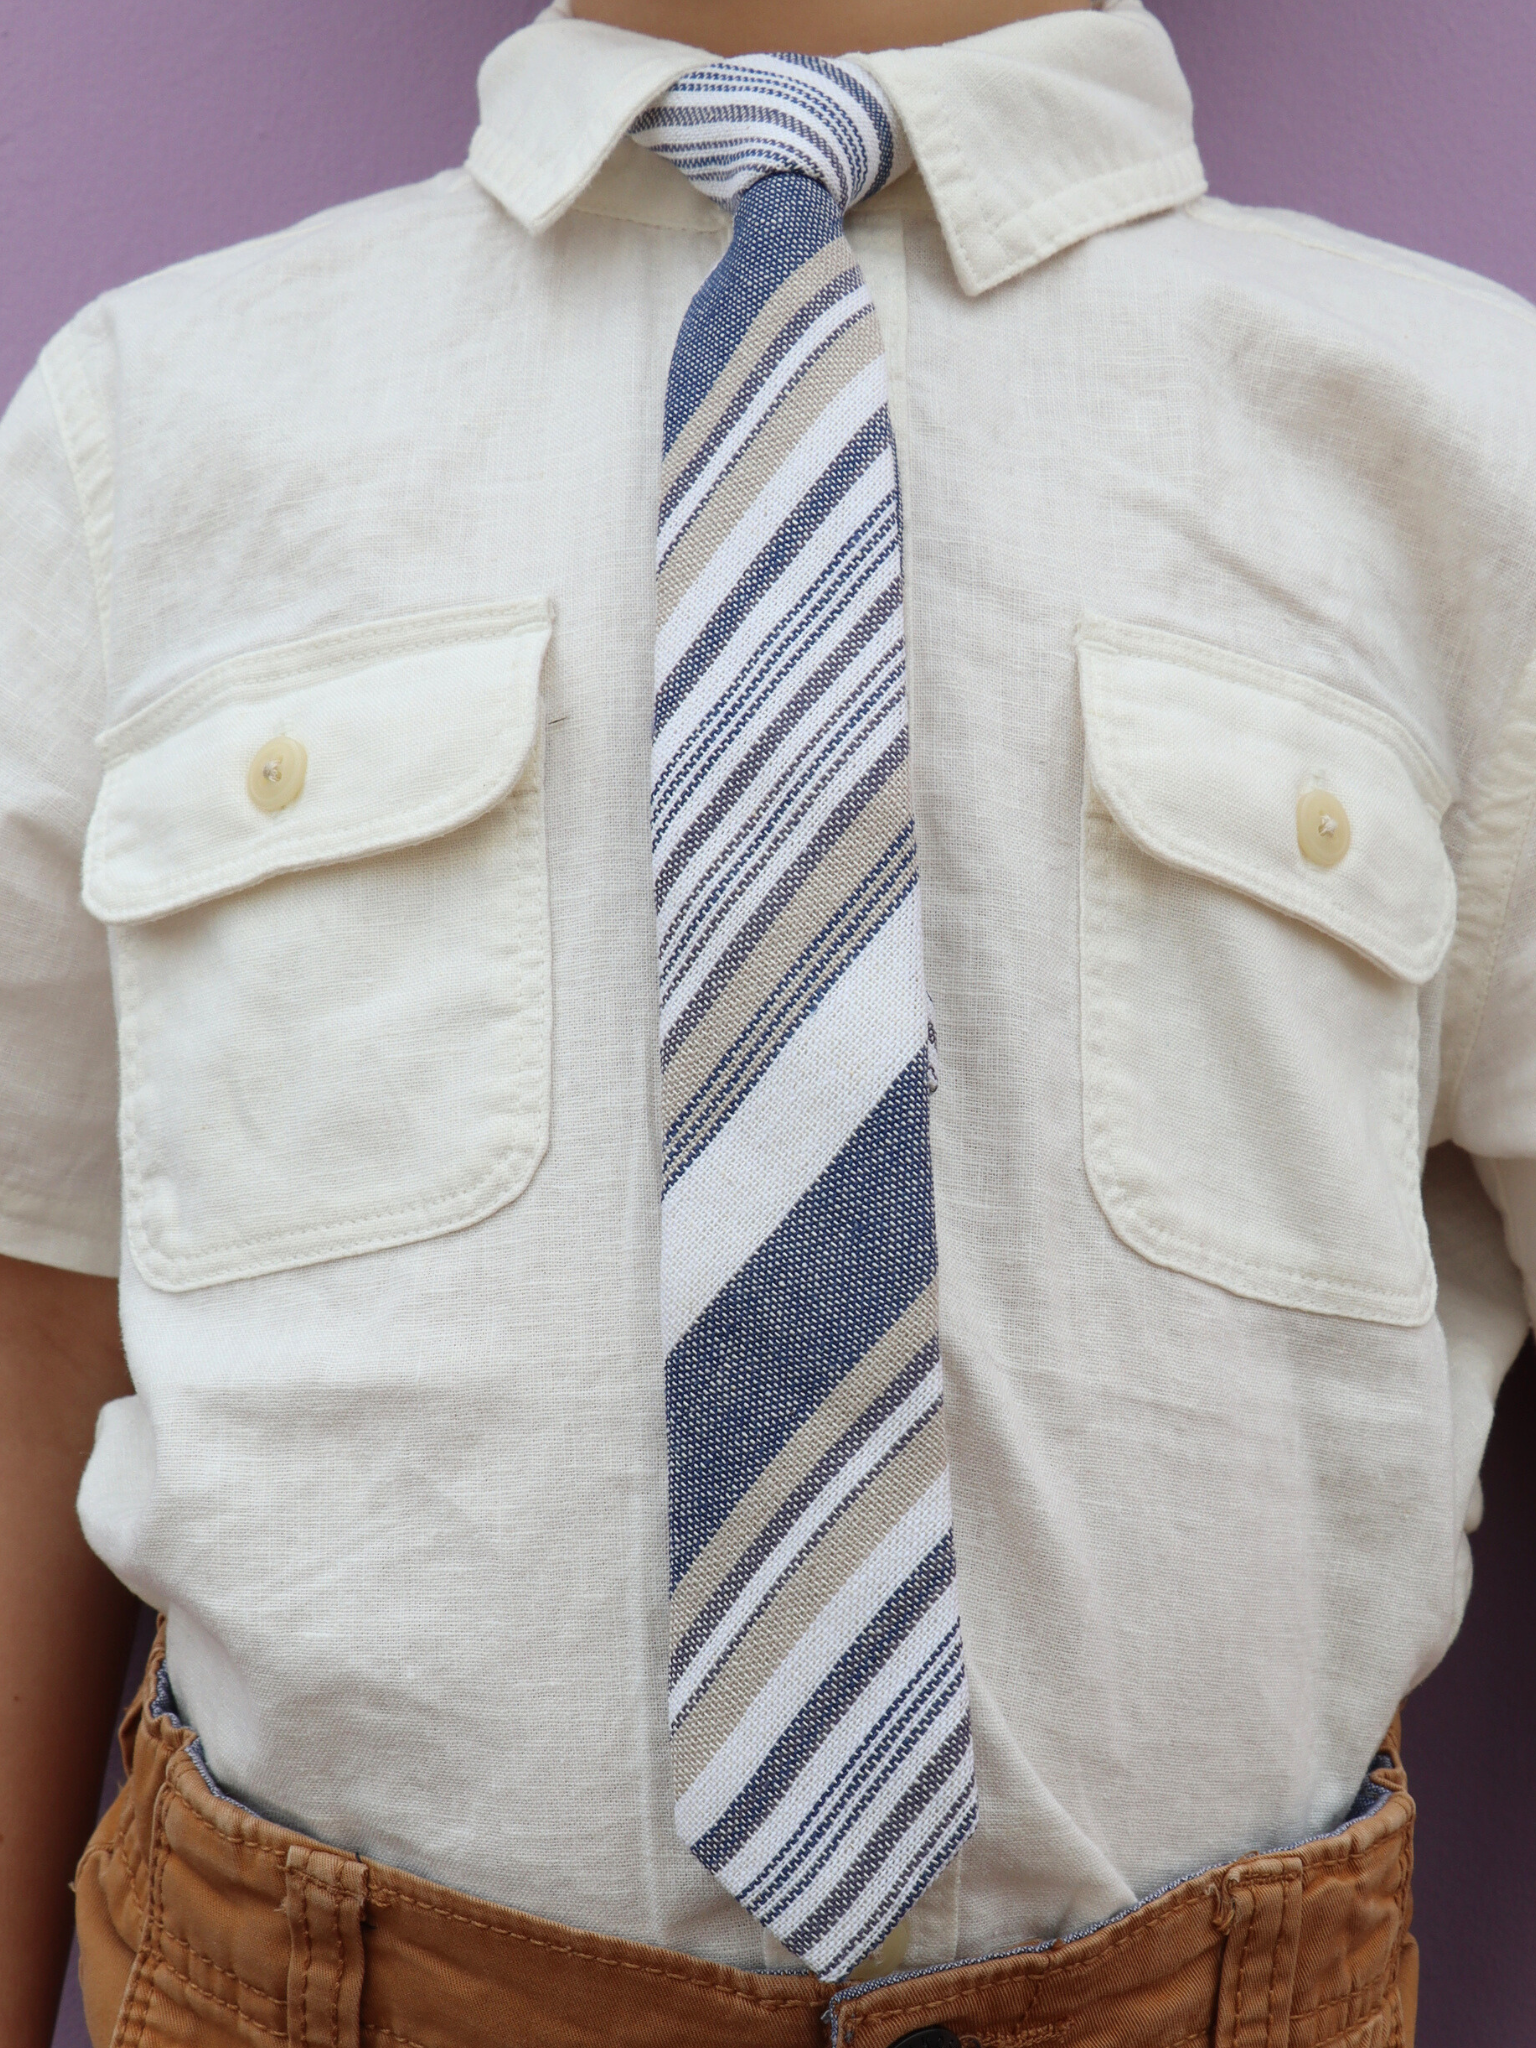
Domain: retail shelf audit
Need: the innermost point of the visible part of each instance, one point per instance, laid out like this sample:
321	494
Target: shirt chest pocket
323	867
1264	891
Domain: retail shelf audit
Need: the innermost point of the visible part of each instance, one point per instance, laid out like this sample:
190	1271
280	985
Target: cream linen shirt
1208	510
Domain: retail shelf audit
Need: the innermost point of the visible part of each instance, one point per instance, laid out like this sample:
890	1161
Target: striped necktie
820	1727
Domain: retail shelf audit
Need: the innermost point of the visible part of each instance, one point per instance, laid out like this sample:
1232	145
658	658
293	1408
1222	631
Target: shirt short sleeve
59	1199
1496	1101
1495	1104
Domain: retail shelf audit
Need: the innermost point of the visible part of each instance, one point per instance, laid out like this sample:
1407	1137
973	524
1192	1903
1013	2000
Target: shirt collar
1029	138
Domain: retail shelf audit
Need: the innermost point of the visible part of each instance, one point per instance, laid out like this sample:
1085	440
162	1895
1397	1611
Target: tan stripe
802	1597
835	878
799	286
859	1390
733	494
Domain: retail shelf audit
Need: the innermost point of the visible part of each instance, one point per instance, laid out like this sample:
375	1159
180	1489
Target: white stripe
790	484
923	1399
776	86
780	1826
870	1823
785	1134
743	725
843	1947
852	1607
846	1739
788	771
759	870
842	314
689	955
948	1835
790	615
863	562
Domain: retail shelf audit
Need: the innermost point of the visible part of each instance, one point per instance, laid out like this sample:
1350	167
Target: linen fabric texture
821	1744
1204	509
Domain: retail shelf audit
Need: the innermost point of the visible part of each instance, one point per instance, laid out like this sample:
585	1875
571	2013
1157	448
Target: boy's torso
1190	505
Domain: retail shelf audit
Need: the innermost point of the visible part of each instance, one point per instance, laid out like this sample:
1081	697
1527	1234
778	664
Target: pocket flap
1202	758
409	729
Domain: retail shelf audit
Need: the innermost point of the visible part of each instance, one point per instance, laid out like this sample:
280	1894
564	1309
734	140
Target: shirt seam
1210	211
88	458
1499	816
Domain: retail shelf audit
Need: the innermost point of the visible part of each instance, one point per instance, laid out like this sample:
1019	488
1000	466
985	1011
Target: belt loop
326	1893
1258	1968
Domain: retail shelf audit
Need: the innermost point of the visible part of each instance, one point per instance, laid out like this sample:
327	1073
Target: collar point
984	260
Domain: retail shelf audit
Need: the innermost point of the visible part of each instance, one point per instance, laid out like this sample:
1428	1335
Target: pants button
928	2037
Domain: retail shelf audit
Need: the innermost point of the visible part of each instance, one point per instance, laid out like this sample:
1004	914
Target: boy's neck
823	28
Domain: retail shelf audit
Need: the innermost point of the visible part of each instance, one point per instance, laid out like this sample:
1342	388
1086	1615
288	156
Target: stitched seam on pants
134	2017
338	1895
212	1998
127	1843
722	1991
164	1936
1114	1939
228	1841
138	1884
1324	1858
304	1974
1242	1966
1274	1954
229	1977
1374	1989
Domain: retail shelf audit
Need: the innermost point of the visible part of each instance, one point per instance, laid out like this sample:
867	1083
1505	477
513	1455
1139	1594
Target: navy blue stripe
843	815
842	472
781	222
740	859
845	285
889	1399
849	1500
796	996
871	552
848	1259
850	84
825	1825
951	1755
869	1653
959	1820
769	733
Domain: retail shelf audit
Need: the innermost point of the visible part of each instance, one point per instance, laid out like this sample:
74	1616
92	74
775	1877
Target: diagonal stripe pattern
820	1726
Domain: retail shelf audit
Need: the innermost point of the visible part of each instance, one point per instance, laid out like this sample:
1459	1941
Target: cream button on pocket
1322	828
276	774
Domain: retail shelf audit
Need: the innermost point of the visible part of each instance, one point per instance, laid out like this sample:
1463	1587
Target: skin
65	1622
821	28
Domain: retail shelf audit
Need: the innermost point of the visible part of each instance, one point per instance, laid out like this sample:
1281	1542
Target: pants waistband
204	1924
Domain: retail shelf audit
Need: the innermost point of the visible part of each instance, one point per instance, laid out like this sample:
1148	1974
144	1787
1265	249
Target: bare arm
65	1622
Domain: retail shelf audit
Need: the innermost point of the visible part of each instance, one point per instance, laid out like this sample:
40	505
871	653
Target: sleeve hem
75	1251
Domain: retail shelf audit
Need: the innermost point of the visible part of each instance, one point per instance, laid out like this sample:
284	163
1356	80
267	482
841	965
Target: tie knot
730	123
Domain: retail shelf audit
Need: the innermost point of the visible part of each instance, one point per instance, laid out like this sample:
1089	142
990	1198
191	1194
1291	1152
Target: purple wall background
134	136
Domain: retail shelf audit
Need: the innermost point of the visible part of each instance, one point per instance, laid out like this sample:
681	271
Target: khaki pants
203	1925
